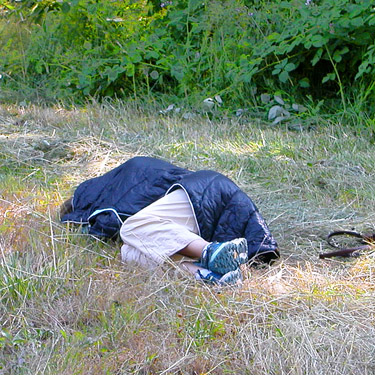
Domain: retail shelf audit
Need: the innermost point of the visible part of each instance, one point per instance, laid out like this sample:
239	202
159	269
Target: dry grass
68	306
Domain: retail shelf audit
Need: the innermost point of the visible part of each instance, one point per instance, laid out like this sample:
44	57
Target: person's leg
194	249
131	255
164	228
168	226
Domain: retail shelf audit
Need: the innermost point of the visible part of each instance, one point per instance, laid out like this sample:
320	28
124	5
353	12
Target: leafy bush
81	48
192	48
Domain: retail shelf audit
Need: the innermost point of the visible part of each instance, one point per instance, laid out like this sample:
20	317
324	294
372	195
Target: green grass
68	305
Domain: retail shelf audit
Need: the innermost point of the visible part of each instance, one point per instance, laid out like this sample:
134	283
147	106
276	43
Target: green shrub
196	49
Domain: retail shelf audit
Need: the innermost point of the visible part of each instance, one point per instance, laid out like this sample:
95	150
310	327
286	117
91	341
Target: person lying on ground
160	209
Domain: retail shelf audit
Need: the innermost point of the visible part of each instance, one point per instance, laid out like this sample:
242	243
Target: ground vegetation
68	305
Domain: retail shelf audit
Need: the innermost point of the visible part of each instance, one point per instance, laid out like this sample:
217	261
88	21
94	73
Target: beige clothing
160	230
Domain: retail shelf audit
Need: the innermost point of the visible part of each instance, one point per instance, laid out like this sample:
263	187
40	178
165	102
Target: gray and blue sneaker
223	257
230	278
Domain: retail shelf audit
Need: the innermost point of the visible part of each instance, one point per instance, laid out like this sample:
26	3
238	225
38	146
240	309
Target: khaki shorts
154	234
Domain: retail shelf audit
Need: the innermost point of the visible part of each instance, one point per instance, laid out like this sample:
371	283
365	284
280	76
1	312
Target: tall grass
68	305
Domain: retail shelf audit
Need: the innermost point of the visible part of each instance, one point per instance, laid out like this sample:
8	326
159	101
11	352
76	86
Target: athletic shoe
230	278
223	257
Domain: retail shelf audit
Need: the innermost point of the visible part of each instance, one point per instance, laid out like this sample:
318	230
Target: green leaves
318	40
357	22
337	56
65	7
317	56
185	47
329	77
112	72
177	71
282	70
368	64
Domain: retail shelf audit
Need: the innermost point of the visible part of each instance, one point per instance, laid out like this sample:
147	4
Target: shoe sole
231	278
229	256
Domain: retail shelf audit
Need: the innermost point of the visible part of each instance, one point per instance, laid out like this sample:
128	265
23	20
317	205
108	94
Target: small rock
278	119
275	111
279	100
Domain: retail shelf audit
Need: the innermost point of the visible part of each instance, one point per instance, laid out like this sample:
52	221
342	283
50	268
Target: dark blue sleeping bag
222	210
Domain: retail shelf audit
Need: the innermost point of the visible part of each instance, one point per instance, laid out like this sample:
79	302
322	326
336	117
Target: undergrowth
191	50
